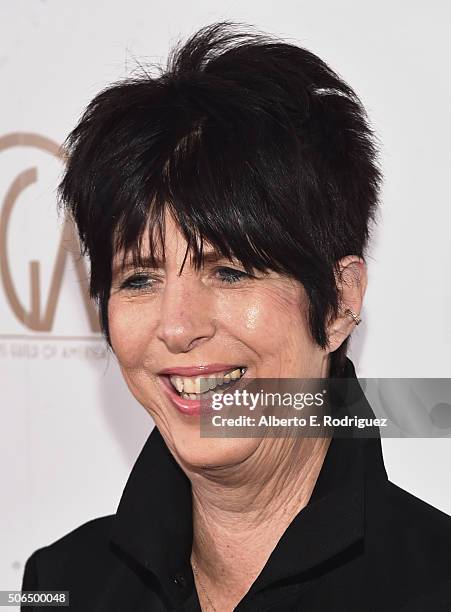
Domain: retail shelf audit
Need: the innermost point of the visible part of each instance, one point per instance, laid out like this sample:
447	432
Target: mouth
201	387
191	395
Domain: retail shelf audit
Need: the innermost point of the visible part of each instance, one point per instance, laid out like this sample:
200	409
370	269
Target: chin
194	452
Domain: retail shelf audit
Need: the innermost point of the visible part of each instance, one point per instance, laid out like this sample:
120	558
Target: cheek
130	330
268	316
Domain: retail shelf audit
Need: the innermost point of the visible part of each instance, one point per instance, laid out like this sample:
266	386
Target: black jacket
361	544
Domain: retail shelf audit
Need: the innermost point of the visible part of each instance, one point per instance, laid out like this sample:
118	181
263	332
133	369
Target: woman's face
216	317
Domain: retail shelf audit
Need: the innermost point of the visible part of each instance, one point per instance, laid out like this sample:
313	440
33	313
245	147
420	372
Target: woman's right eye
137	282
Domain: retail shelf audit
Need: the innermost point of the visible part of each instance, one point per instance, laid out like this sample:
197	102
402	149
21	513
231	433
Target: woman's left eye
231	275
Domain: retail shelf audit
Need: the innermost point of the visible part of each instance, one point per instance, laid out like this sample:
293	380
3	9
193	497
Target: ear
351	281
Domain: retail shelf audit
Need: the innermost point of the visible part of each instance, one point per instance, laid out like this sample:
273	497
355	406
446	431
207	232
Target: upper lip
198	370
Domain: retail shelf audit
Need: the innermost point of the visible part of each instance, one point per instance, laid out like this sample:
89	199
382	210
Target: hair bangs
212	192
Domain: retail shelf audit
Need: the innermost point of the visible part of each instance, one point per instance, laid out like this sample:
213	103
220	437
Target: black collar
153	523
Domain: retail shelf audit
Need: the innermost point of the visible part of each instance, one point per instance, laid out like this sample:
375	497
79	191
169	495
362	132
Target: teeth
177	382
191	387
214	381
201	396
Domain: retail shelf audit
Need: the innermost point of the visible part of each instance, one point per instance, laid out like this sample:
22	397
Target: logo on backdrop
37	316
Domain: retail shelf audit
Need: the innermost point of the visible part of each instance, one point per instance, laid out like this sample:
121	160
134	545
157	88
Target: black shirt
361	544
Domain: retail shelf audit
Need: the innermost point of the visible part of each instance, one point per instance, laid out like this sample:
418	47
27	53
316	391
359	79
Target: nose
186	315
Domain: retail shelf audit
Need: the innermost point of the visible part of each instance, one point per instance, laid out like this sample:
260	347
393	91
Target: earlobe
342	327
338	334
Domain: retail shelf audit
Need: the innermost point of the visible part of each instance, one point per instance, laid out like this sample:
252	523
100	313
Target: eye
231	275
137	282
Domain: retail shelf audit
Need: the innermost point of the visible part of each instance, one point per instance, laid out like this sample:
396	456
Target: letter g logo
39	317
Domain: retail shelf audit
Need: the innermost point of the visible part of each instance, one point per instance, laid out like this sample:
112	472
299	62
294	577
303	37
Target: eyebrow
146	261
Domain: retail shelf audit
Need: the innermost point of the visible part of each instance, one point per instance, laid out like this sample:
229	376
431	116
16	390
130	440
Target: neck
240	512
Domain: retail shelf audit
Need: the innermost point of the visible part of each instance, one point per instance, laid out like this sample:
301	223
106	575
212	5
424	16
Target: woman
226	206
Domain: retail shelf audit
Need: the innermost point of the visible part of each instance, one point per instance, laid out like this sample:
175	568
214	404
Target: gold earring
356	317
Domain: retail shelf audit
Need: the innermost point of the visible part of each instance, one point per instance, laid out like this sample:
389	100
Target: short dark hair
254	144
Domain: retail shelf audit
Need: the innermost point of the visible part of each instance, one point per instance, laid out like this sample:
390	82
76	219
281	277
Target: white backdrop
71	429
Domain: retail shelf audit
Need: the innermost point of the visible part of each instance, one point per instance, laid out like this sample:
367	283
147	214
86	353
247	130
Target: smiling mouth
202	387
